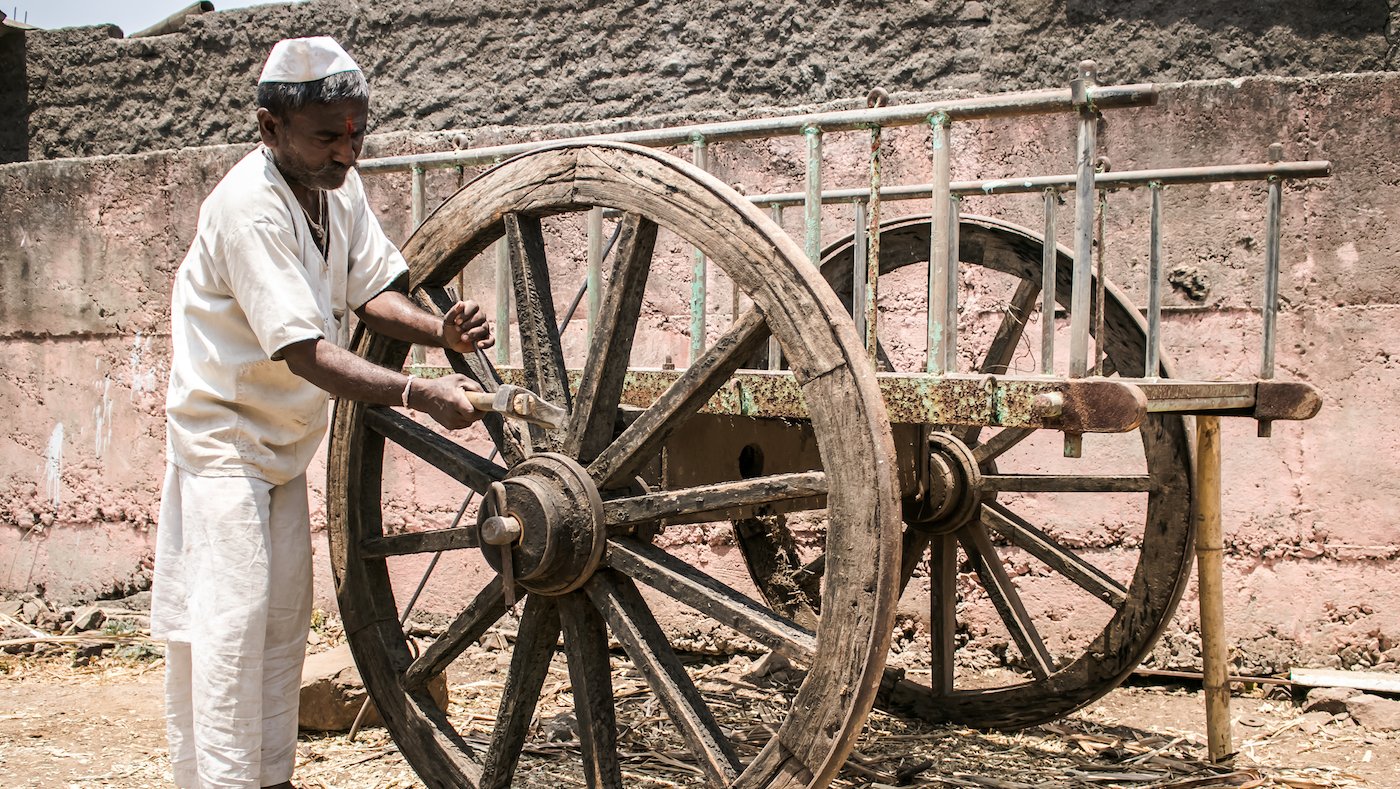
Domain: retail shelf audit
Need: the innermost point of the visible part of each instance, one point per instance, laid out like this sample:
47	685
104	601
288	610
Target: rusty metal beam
1090	405
1098	406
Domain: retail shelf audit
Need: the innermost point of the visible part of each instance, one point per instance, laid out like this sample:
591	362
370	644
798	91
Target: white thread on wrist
407	387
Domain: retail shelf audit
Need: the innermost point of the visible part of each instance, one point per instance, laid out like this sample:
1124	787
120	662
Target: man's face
316	146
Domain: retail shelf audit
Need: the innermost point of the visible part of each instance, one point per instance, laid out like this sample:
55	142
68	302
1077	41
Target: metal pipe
1083	227
812	202
1100	277
1126	179
871	302
419	196
1271	267
1155	264
950	331
176	21
417	354
699	286
936	356
1049	256
775	352
999	106
503	296
595	267
859	271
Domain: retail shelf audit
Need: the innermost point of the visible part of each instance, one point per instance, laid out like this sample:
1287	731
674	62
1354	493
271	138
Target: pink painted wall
88	246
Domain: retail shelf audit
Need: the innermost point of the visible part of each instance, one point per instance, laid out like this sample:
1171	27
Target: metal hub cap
953	491
543	525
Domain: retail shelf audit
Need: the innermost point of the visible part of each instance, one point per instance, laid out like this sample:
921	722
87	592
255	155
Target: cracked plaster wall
438	65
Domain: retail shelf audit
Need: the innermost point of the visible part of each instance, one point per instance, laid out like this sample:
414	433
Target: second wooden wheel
580	525
1069	569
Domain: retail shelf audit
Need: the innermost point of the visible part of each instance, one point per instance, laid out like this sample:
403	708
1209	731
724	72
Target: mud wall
88	247
438	65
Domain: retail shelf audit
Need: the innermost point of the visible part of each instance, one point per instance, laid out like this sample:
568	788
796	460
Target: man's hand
464	328
445	400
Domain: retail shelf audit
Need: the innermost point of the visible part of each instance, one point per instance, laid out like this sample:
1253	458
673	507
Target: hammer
519	403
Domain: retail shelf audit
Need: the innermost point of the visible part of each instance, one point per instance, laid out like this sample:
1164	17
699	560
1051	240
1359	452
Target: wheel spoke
714	498
911	553
943	602
683	398
478	368
595	409
634	626
542	357
586	644
1002	348
1062	560
1007	600
434	541
676	579
999	444
1067	483
484	610
529	665
770	553
444	454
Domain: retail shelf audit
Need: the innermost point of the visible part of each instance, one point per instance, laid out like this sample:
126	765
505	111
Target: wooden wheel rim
1165	557
828	362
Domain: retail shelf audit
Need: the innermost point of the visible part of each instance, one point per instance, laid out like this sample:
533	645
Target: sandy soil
100	725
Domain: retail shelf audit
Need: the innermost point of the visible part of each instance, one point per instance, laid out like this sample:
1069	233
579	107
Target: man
286	244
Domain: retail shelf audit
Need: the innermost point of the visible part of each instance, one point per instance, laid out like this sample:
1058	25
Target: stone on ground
87	618
1333	700
1374	712
332	692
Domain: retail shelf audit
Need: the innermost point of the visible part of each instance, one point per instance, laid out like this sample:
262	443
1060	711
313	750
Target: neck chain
318	230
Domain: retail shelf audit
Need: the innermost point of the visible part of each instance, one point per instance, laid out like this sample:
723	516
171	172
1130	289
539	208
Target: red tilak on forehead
350	125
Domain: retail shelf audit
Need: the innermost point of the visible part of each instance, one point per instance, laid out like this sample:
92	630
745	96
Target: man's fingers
455	411
465	313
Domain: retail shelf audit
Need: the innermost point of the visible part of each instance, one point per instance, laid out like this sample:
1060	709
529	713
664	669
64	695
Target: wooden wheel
1074	567
584	542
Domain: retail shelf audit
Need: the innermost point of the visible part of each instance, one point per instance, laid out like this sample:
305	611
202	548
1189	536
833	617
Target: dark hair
281	98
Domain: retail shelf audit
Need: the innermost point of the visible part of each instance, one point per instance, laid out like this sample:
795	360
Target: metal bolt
1047	405
500	530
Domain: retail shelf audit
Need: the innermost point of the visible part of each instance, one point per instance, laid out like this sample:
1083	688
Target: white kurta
252	284
232	585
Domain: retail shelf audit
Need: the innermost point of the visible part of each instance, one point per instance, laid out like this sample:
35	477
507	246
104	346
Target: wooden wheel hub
561	524
953	490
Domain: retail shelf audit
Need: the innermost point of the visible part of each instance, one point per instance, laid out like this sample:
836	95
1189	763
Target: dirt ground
100	725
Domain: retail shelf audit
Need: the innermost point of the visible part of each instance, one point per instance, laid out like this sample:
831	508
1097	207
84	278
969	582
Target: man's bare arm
346	375
393	314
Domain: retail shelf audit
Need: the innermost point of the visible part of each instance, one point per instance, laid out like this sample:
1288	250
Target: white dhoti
232	596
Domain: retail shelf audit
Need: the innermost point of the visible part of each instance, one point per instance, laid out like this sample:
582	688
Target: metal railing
1084	98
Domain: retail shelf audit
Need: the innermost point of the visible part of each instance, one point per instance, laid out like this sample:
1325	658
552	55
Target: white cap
306	60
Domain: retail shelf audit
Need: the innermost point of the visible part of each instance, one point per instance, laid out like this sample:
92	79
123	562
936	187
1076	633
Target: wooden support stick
1209	550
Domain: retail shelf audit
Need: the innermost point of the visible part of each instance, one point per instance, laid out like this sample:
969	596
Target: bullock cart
1038	450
